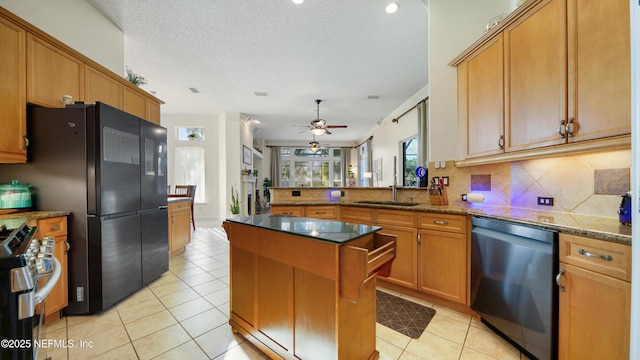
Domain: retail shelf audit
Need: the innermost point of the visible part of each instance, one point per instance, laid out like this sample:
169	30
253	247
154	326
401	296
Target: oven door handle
52	280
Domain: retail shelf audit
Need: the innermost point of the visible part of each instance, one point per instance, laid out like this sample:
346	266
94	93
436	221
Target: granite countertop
335	232
602	228
178	198
16	219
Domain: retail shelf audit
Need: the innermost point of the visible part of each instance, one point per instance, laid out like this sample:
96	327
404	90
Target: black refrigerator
108	168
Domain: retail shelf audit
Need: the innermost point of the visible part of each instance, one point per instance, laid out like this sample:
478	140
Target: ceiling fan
319	126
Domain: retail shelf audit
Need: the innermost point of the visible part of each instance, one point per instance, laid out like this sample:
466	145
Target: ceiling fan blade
326	131
336	126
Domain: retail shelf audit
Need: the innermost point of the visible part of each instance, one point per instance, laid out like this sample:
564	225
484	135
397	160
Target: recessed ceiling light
260	93
391	8
194	90
297	2
373	97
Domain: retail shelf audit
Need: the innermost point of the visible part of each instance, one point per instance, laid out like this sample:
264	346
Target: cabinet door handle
570	128
26	142
560	273
68	246
562	129
440	222
588	254
419	239
501	142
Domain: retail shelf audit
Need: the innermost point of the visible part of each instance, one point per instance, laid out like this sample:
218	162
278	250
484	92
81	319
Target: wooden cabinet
40	70
329	212
287	210
566	79
135	103
442	256
179	226
52	73
595	299
355	214
481	100
402	224
100	87
13	120
534	71
58	298
295	297
599	69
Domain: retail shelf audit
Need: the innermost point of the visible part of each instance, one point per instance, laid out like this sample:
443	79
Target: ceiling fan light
391	8
317	131
297	2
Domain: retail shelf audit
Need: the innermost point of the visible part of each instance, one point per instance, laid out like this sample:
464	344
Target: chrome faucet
394	190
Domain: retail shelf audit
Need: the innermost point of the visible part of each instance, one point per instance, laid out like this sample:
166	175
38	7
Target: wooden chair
188	191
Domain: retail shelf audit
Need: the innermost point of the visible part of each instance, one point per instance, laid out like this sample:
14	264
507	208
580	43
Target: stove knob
46	249
49	241
44	265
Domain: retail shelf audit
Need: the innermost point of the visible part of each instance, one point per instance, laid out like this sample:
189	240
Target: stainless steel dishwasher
512	284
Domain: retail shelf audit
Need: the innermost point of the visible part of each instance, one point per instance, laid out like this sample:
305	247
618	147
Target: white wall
208	210
78	25
453	26
388	136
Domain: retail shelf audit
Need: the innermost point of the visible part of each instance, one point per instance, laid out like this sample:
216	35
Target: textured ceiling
340	51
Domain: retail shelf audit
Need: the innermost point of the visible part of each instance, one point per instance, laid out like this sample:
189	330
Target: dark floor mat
401	315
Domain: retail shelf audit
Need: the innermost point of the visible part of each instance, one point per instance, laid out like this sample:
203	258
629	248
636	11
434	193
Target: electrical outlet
545	201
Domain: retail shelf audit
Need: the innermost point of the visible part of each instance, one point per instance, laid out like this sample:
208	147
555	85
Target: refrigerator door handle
162	207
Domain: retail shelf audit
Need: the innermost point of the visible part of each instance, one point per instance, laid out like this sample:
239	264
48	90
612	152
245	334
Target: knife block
438	199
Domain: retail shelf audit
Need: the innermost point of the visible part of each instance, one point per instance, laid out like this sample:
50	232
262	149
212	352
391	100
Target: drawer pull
55	228
320	212
588	254
558	280
440	222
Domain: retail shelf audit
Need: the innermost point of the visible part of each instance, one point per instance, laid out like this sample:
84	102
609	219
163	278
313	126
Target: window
189	169
302	167
190	133
410	162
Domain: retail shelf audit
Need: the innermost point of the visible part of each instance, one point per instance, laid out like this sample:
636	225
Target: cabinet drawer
321	212
604	257
356	214
288	210
56	226
395	217
173	206
443	222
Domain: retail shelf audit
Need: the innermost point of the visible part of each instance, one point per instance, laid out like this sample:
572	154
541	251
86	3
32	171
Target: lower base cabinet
179	226
58	298
595	299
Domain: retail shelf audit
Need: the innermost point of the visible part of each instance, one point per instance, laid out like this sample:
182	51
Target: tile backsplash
588	184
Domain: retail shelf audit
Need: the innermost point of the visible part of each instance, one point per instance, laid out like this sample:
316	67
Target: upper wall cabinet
38	69
52	73
100	87
554	72
13	121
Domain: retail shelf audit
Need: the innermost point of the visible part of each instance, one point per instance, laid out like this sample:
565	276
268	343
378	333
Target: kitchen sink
395	203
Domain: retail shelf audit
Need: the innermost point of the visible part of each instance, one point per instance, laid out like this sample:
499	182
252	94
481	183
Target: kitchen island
304	288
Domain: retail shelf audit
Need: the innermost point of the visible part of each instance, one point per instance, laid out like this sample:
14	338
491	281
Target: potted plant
234	207
266	184
135	79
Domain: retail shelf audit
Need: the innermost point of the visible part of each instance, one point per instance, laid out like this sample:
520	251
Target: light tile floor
184	315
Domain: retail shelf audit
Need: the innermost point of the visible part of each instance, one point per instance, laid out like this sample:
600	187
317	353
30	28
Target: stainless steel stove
24	260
